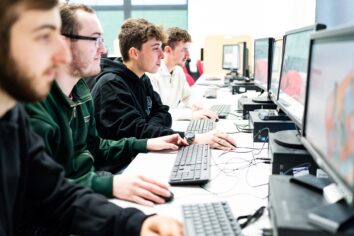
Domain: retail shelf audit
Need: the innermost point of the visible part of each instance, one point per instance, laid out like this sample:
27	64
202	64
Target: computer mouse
168	199
244	96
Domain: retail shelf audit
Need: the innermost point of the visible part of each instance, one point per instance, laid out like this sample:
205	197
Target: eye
43	37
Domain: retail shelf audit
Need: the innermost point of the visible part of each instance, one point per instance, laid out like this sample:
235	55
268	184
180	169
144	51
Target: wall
257	18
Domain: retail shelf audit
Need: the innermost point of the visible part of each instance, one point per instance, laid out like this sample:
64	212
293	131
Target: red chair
189	78
200	67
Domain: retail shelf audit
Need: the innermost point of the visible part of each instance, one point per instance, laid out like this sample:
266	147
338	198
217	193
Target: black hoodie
35	195
126	105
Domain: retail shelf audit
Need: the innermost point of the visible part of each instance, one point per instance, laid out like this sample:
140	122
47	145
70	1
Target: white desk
232	179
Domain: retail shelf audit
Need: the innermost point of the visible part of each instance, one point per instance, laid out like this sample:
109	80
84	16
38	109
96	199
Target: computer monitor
276	68
292	85
244	70
263	50
328	130
231	57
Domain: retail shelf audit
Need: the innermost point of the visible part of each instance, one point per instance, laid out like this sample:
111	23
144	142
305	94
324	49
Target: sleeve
53	202
117	114
78	166
115	153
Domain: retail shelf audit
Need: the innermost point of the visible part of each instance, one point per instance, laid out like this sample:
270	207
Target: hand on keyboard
161	226
204	114
169	142
216	139
139	189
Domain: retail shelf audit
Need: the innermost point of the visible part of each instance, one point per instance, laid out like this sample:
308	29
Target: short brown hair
69	23
9	13
136	32
176	35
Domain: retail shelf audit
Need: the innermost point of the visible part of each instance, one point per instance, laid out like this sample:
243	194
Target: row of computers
308	76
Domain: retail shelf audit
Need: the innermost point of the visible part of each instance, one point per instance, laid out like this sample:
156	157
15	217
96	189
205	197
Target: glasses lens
99	42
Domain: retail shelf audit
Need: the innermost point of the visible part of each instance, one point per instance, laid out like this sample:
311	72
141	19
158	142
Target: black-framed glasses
99	42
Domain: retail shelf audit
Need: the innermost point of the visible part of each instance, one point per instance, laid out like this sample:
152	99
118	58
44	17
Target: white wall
257	18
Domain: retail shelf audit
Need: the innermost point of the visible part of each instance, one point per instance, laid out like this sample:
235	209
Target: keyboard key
192	165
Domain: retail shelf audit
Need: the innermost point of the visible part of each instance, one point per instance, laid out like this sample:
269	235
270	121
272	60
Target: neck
131	66
66	81
170	65
6	102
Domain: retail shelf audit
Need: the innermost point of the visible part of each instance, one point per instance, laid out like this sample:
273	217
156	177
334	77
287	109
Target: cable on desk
249	219
241	128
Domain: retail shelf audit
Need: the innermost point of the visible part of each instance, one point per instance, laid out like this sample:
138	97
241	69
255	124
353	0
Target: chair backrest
200	67
189	78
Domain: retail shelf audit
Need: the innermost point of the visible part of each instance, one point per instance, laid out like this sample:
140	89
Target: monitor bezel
274	97
223	57
314	28
336	34
270	58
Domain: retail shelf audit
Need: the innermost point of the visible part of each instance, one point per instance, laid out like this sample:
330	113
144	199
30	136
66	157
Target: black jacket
34	192
126	105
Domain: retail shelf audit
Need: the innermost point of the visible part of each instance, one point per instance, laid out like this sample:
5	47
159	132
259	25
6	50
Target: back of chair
189	78
200	67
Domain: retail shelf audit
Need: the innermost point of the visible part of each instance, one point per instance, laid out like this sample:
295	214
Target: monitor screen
231	57
329	115
262	62
293	77
276	68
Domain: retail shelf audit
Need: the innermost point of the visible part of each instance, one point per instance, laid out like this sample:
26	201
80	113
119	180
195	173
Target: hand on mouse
204	114
216	139
139	189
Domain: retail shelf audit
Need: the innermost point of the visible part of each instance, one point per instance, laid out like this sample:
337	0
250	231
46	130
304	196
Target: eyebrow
42	27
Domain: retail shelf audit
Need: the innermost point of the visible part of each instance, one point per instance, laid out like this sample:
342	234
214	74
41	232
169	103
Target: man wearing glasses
65	121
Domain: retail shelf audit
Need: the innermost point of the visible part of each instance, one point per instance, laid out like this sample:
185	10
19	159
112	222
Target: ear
167	49
133	53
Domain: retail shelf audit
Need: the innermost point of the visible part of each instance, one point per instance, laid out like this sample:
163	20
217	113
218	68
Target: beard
19	84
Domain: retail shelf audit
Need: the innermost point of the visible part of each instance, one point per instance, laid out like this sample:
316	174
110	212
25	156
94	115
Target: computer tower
247	105
289	161
289	207
242	87
261	127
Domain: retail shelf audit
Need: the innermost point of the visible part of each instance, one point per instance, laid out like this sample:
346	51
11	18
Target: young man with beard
33	190
170	80
125	103
65	120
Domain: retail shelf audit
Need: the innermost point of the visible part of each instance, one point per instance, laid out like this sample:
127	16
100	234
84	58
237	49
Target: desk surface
237	177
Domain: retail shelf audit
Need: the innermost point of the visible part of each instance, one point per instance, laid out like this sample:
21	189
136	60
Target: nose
161	54
187	53
62	54
102	49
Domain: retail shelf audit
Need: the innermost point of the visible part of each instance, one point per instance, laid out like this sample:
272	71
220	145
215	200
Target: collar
80	93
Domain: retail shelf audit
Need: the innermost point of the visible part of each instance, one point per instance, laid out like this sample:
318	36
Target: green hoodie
69	131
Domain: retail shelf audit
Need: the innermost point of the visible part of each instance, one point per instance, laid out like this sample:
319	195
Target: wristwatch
190	136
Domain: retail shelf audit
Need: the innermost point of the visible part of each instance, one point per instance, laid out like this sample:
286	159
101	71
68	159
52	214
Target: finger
170	146
147	195
155	186
226	137
142	201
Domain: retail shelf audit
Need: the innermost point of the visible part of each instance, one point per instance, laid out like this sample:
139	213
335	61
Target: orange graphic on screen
340	125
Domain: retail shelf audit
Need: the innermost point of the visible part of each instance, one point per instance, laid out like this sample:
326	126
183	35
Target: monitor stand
288	138
262	99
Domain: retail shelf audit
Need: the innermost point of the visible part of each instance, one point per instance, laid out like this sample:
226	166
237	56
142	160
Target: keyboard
201	126
192	165
221	110
213	218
